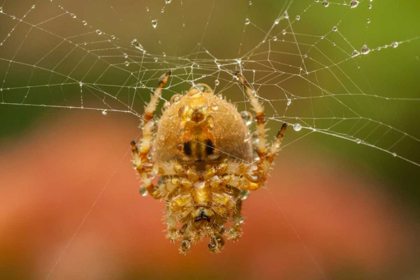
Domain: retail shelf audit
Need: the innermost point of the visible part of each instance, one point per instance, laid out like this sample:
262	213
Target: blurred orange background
319	217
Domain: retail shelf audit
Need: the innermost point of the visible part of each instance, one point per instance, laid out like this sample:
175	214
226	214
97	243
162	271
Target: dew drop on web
297	127
154	23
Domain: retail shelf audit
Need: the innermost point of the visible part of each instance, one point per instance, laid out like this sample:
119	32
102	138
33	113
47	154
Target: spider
204	159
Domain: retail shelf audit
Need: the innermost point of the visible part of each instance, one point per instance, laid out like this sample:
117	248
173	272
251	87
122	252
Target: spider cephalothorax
203	156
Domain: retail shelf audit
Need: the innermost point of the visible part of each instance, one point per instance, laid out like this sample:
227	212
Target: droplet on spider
214	106
297	127
143	191
246	117
176	98
244	194
255	139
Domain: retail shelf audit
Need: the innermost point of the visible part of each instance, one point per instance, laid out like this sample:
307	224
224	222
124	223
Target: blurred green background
341	210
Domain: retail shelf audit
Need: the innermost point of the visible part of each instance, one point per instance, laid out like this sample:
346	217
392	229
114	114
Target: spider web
311	63
313	81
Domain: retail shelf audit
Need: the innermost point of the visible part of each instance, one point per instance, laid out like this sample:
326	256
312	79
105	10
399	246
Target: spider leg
236	230
148	116
142	164
259	114
173	233
259	170
187	242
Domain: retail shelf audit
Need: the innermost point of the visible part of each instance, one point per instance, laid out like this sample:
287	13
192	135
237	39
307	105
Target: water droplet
394	154
368	21
241	220
325	3
113	37
283	32
370	7
244	194
354	4
277	21
156	59
1	10
297	126
84	22
394	45
289	101
126	63
297	17
99	32
334	28
275	38
137	45
154	23
358	141
125	55
216	82
250	3
164	54
73	15
80	84
355	53
176	98
168	1
378	48
246	117
104	112
33	7
214	106
365	49
143	191
255	139
247	21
